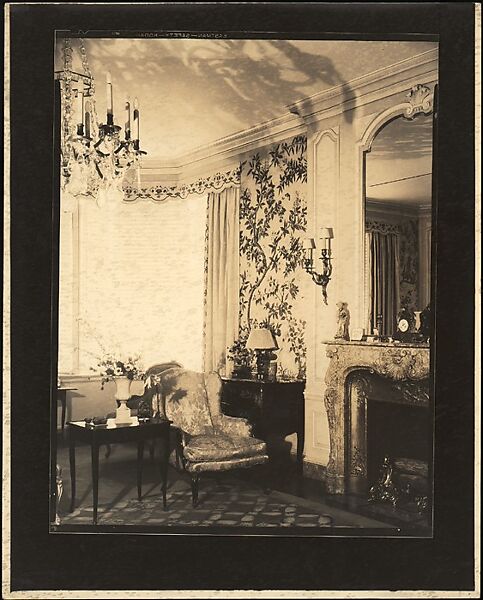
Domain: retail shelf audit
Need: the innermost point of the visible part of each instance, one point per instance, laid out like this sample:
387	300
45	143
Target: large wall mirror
398	200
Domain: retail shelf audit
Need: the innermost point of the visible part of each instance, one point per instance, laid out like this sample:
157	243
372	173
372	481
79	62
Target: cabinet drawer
240	409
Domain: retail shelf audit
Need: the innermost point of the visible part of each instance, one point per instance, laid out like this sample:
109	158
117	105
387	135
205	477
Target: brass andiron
385	490
396	484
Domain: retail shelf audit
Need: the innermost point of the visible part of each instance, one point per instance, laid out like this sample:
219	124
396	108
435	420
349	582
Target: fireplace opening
396	431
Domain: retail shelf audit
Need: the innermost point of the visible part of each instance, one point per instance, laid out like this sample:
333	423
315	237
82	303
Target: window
134	283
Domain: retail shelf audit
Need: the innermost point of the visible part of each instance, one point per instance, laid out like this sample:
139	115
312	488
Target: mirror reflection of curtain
222	283
383	274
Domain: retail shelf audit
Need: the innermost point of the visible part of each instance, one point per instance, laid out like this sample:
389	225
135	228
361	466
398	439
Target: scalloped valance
383	228
161	193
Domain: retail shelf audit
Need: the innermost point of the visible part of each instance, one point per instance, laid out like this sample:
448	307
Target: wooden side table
111	434
271	407
62	398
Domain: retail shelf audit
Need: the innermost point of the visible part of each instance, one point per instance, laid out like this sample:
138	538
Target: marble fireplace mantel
346	405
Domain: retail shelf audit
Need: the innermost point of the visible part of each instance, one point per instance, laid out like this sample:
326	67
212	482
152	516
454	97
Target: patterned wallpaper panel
273	221
408	264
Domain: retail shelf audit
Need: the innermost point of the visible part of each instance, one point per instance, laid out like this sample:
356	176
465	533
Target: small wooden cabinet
273	408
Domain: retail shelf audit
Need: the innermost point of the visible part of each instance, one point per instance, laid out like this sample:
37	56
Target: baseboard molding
315	471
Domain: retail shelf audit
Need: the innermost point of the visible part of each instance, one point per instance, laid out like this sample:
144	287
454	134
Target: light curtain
383	272
222	278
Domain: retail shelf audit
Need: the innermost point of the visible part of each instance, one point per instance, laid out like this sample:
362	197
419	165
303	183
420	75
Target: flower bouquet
122	372
111	367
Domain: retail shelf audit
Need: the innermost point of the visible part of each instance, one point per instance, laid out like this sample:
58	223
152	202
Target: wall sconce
322	279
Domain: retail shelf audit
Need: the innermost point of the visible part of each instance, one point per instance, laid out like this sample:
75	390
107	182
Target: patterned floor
234	504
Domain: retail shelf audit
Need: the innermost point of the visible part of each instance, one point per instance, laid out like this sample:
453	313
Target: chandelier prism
94	157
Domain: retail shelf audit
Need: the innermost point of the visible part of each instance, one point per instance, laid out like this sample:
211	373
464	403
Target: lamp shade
309	244
261	339
326	233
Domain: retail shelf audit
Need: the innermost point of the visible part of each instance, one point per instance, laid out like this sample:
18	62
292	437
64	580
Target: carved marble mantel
345	405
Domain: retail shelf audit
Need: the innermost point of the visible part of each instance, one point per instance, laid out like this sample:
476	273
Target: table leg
95	478
60	489
140	467
300	448
72	470
165	447
300	459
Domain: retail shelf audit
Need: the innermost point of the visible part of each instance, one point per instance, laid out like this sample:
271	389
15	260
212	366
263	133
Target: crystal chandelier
94	157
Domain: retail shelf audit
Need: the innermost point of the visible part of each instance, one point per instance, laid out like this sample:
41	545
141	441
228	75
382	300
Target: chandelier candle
110	114
87	119
136	119
80	97
128	121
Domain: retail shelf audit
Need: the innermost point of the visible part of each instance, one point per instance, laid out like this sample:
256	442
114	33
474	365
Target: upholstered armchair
209	440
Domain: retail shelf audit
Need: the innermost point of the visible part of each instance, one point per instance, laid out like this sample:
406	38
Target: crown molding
375	208
358	92
376	85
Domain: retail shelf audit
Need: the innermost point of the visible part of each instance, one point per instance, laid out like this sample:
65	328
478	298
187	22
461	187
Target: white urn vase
123	393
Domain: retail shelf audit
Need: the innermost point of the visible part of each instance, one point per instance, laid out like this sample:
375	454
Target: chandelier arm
92	90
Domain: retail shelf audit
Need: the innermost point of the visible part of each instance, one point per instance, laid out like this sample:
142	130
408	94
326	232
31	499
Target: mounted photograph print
245	285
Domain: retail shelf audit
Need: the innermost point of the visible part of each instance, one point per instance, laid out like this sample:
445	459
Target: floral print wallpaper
273	221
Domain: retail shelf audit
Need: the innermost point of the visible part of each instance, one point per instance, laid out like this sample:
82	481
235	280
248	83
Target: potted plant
241	357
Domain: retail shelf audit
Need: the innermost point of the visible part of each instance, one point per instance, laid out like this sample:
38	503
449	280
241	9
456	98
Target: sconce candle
326	235
109	93
308	246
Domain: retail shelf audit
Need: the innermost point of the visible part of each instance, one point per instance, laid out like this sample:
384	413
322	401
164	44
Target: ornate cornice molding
379	84
366	88
161	193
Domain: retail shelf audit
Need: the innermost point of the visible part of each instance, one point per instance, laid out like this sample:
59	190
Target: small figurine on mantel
343	320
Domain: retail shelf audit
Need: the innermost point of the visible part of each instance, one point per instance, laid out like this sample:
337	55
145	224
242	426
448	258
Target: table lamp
262	341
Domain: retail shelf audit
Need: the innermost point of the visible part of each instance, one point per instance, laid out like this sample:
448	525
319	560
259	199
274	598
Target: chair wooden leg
180	460
194	488
108	451
152	446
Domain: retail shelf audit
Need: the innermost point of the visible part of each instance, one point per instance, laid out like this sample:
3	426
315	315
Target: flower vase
123	393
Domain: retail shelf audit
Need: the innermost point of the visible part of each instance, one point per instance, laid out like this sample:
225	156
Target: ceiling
193	92
398	167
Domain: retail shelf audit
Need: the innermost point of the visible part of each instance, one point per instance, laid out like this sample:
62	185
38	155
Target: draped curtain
222	277
383	273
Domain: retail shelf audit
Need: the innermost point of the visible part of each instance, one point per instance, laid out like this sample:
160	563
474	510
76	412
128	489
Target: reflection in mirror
398	180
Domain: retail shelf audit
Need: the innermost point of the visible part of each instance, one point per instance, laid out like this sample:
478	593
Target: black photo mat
41	560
